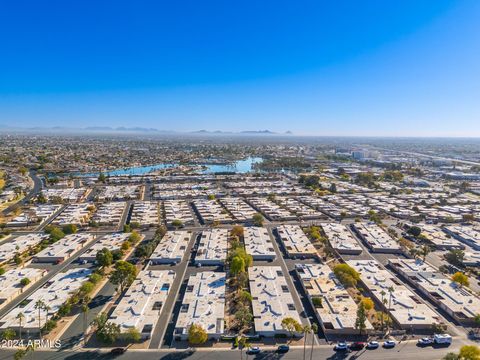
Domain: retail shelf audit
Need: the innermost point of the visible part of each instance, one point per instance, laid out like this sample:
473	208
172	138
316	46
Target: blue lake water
241	166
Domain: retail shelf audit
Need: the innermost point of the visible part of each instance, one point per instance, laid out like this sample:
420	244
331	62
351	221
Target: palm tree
425	250
85	302
20	316
305	331
383	293
314	329
390	291
39	305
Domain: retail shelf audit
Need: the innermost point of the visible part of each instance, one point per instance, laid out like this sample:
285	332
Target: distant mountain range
137	129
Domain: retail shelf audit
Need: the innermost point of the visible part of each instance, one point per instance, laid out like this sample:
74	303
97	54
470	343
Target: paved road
74	333
37	186
401	351
166	315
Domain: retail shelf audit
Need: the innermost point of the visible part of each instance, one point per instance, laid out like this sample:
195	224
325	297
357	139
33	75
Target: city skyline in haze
312	68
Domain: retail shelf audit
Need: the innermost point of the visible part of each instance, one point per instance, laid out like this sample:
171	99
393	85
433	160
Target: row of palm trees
313	329
40	305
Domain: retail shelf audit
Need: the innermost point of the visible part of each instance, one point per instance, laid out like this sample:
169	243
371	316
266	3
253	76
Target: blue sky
395	68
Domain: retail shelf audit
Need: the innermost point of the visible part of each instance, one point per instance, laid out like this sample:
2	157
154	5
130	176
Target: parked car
373	345
389	344
358	345
341	346
283	349
253	350
425	341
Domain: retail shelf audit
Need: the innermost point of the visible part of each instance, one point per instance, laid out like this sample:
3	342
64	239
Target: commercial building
469	235
146	213
177	210
210	211
109	213
240	210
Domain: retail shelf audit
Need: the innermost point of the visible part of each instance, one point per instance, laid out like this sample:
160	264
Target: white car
425	341
253	350
373	345
341	346
389	344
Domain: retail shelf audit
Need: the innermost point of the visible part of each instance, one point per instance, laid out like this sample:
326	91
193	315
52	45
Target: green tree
257	219
134	237
109	333
292	326
461	279
24	282
8	334
40	305
414	231
124	274
197	335
69	229
360	321
101	177
237	265
177	224
367	303
314	329
104	257
347	275
237	231
132	335
455	257
20	317
469	352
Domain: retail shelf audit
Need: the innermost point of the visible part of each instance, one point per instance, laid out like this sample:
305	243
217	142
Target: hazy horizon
324	69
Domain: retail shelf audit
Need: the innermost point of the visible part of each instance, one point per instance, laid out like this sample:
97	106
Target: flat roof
258	242
338	310
53	293
172	246
10	282
203	303
19	244
341	238
457	300
142	303
64	248
272	300
376	238
406	307
295	241
212	247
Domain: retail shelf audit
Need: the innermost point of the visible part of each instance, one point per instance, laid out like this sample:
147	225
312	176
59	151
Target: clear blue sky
382	67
